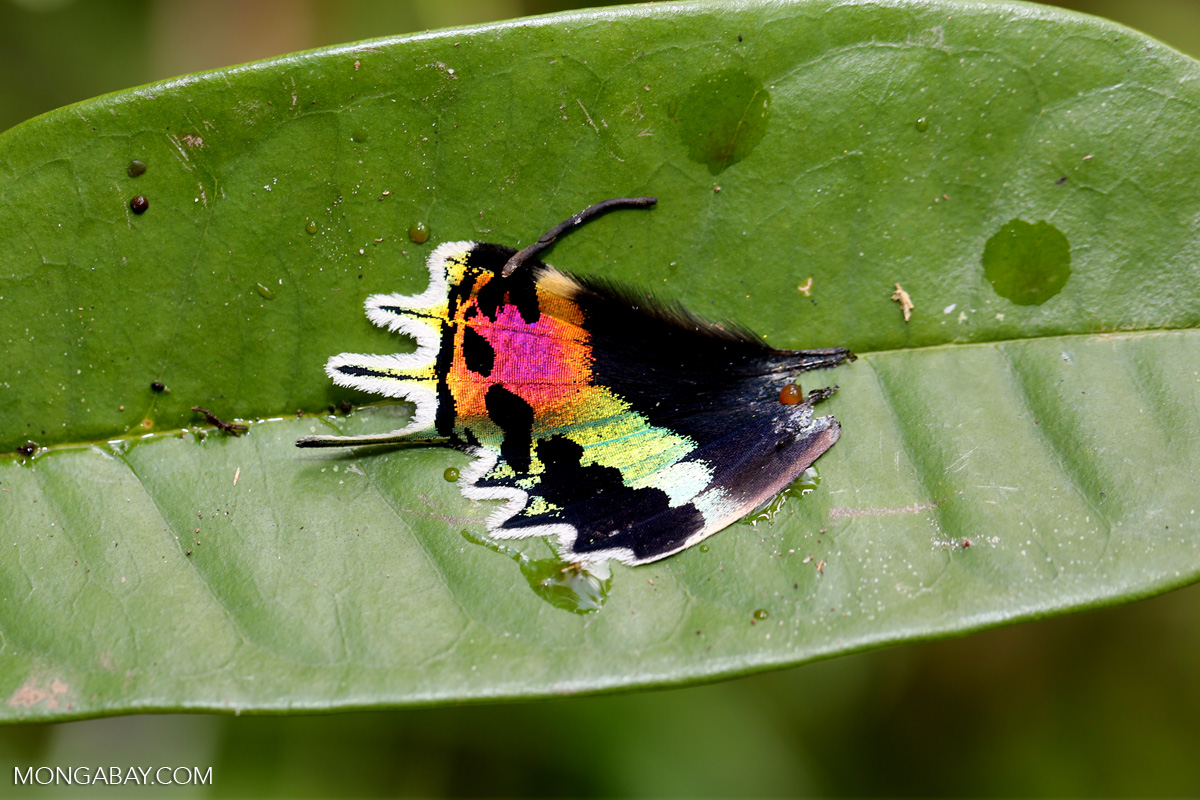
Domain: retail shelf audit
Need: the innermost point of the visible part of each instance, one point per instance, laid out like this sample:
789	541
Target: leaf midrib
129	435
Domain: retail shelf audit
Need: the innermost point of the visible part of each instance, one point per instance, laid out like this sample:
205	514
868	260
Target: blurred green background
1100	704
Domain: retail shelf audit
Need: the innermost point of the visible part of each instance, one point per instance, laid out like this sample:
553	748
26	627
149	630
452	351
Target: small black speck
157	387
136	168
739	37
1061	181
346	408
139	204
27	449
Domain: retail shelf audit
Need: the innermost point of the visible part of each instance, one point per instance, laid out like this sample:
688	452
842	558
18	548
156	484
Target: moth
621	427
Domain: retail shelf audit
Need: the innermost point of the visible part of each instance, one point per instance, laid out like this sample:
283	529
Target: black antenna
589	213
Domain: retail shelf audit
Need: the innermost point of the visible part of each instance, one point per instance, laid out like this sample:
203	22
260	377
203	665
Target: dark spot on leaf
723	118
1027	263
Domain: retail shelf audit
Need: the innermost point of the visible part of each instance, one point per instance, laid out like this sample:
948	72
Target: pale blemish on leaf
35	691
850	513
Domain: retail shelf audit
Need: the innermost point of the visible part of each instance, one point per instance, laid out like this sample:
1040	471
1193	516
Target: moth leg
393	437
823	359
817	395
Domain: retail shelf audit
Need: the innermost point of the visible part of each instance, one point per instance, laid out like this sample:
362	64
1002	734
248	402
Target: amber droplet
418	232
136	168
139	204
791	394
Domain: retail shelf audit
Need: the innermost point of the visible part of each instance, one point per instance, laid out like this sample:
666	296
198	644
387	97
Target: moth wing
624	428
596	512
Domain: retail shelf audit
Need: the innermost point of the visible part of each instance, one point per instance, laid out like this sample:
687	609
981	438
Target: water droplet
723	118
809	480
922	124
578	588
418	232
264	291
760	614
571	587
451	474
703	548
1027	263
311	227
136	168
139	204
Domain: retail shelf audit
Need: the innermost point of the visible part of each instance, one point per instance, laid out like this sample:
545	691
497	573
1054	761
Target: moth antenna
588	214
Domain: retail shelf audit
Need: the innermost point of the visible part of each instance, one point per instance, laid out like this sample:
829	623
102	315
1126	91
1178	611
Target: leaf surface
1022	447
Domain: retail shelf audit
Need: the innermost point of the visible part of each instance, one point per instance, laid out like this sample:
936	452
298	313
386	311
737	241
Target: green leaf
1022	447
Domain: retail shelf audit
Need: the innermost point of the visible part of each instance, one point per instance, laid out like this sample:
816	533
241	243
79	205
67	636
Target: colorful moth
622	427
